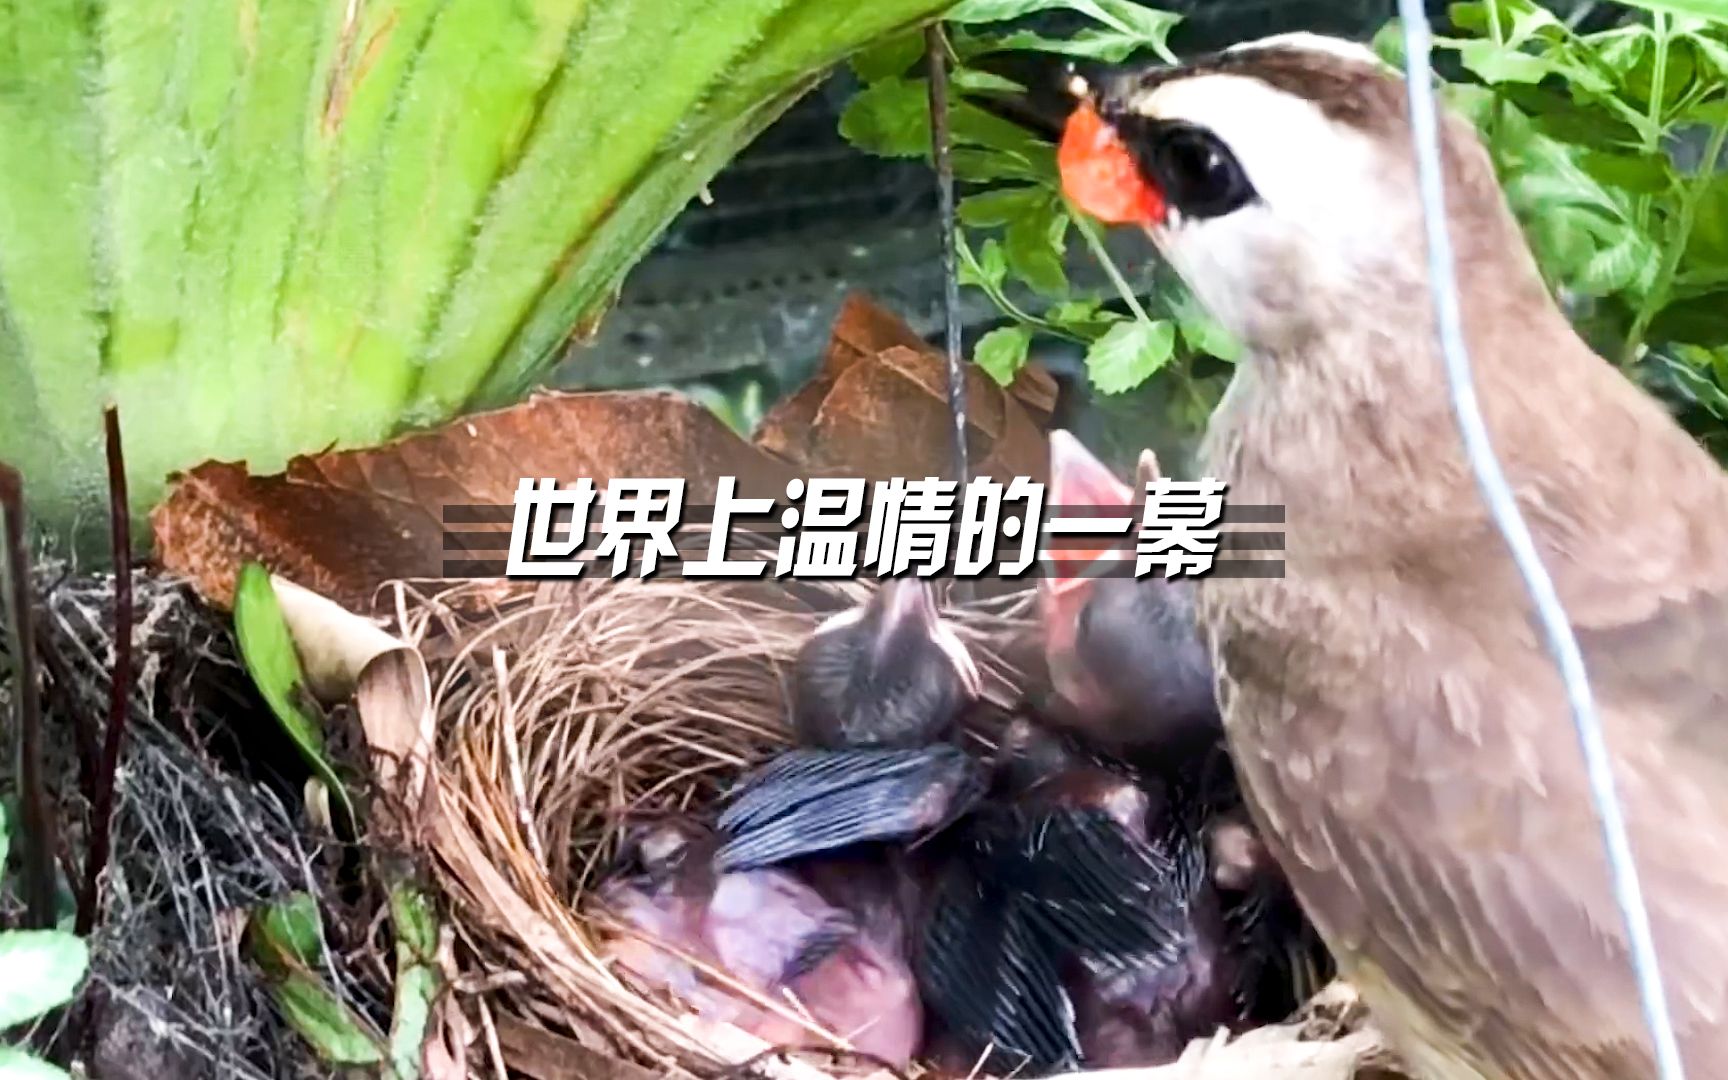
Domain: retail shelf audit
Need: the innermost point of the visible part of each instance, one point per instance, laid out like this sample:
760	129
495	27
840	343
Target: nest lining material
565	710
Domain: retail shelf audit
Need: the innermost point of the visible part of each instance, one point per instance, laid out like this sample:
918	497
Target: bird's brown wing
1425	790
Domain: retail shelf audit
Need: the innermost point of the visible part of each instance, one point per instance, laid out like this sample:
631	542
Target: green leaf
893	55
1712	54
1713	113
988	269
264	229
286	939
15	1064
291	929
991	209
890	118
1693	371
42	970
1388	43
1621	50
1703	317
1205	335
1615	266
267	649
1034	244
1640	174
1111	46
1080	316
990	11
1002	352
972	81
970	125
1124	28
1494	63
1709	10
1129	354
335	1032
1520	20
973	165
417	978
1152	25
1707	247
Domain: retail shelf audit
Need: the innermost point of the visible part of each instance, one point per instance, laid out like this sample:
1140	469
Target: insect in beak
1098	173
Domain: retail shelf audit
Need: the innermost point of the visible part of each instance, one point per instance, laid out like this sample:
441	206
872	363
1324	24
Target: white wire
1424	124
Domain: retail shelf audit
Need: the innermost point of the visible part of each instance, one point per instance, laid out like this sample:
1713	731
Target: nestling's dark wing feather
809	801
992	981
1084	882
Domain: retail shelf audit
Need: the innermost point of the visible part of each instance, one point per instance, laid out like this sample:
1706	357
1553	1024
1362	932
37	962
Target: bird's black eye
1198	173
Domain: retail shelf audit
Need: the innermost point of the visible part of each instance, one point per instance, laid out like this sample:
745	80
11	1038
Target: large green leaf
270	228
17	1065
42	970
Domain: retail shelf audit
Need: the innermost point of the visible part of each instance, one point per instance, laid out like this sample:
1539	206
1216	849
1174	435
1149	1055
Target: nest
564	712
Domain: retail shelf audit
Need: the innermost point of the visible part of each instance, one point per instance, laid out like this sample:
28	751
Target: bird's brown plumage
1398	725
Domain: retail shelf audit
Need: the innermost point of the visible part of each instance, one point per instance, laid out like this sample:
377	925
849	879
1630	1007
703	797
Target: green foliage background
1609	144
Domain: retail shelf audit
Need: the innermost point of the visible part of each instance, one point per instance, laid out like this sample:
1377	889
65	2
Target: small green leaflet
991	209
286	940
42	971
1002	352
1034	244
890	118
988	269
267	649
1129	354
415	922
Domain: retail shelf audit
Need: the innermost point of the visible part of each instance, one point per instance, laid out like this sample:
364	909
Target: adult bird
1399	727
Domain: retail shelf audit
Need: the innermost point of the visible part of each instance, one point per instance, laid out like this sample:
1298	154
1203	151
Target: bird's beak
1076	479
908	604
1102	177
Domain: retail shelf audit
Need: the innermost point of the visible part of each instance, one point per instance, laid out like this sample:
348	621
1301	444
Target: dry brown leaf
533	1051
878	407
346	655
342	523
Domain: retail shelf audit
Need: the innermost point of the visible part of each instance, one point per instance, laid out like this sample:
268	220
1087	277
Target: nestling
876	695
1124	653
789	938
1400	731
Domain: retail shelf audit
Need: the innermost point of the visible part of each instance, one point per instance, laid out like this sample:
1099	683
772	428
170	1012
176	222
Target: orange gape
1100	176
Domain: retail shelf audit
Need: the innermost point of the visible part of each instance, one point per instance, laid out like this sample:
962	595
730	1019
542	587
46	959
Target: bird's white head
1278	178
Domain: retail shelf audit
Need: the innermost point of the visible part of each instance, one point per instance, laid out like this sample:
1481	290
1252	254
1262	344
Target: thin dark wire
1557	628
119	687
936	56
37	820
